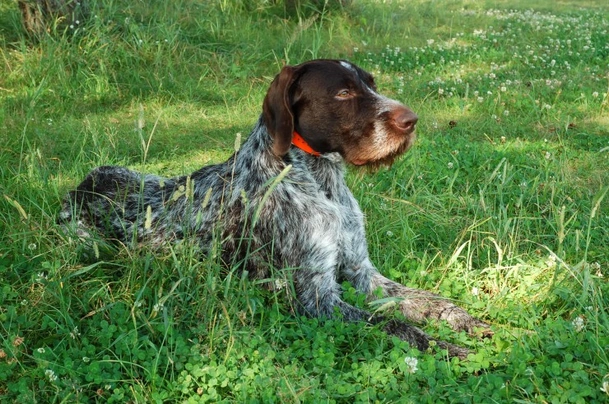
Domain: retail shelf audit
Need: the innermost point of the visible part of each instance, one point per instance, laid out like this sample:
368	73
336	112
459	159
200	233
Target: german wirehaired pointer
281	200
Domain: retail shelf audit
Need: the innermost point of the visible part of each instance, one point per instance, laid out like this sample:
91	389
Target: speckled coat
272	205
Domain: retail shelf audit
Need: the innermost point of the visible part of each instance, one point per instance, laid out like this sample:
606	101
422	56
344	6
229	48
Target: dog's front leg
419	305
319	296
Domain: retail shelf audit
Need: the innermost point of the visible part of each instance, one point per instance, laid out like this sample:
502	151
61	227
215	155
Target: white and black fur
308	220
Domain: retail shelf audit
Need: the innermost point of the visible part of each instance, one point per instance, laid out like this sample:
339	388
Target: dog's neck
334	158
302	144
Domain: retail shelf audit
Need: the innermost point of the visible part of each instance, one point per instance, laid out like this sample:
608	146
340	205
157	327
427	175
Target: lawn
501	205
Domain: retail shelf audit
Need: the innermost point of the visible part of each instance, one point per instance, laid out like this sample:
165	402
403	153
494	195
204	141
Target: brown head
334	107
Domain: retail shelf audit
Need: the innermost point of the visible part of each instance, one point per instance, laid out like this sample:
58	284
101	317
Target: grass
502	205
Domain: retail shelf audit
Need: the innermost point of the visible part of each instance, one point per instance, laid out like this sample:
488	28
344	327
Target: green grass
502	205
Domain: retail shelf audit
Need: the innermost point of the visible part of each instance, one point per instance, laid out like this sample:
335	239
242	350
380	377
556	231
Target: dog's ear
277	111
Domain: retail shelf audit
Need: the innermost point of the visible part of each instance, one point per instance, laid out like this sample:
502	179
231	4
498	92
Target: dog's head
333	105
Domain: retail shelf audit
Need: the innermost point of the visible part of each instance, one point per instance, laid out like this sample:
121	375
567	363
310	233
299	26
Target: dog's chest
349	227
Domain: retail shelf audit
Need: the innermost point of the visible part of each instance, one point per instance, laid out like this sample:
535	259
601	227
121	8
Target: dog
281	200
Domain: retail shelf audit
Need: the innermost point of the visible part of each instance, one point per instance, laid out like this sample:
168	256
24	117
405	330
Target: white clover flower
40	350
280	284
595	94
605	386
412	364
475	291
75	333
597	267
480	99
578	323
86	359
389	233
51	375
450	165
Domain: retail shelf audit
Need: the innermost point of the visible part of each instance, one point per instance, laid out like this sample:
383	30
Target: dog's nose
405	119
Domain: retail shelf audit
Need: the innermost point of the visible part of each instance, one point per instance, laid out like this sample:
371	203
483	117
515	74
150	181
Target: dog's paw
454	351
476	328
461	320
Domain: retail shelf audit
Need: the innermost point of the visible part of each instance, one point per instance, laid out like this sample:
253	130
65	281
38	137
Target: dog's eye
344	94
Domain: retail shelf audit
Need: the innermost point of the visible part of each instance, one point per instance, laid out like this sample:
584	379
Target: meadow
501	205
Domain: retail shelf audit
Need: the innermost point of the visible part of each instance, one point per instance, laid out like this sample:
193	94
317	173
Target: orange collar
302	144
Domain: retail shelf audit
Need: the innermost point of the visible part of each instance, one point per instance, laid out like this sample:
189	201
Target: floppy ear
277	111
